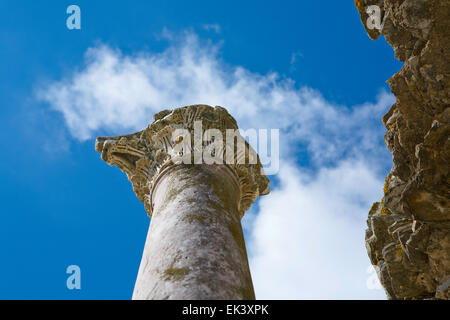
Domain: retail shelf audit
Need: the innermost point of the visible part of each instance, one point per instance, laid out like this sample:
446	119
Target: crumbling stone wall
408	235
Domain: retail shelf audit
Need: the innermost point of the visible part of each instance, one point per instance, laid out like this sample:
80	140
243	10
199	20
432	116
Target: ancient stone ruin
195	245
408	235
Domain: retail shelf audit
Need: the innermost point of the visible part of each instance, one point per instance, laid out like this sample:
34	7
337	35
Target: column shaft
195	245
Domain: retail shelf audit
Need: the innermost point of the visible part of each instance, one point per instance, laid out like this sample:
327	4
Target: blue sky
62	205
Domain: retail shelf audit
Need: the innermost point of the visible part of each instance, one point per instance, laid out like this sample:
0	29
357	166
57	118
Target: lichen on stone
176	274
408	235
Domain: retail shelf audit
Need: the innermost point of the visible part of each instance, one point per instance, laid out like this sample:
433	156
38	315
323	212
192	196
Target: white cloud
307	240
117	93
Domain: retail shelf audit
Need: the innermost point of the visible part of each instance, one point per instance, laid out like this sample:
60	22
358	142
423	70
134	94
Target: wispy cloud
312	225
118	93
308	237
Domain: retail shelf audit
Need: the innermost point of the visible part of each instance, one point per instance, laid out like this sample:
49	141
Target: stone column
195	245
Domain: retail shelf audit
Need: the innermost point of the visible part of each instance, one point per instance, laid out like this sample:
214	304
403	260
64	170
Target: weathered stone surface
408	235
195	245
143	154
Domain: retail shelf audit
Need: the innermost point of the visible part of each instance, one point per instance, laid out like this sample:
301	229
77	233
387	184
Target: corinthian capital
182	136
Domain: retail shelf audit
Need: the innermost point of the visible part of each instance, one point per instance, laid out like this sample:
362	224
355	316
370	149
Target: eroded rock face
408	235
